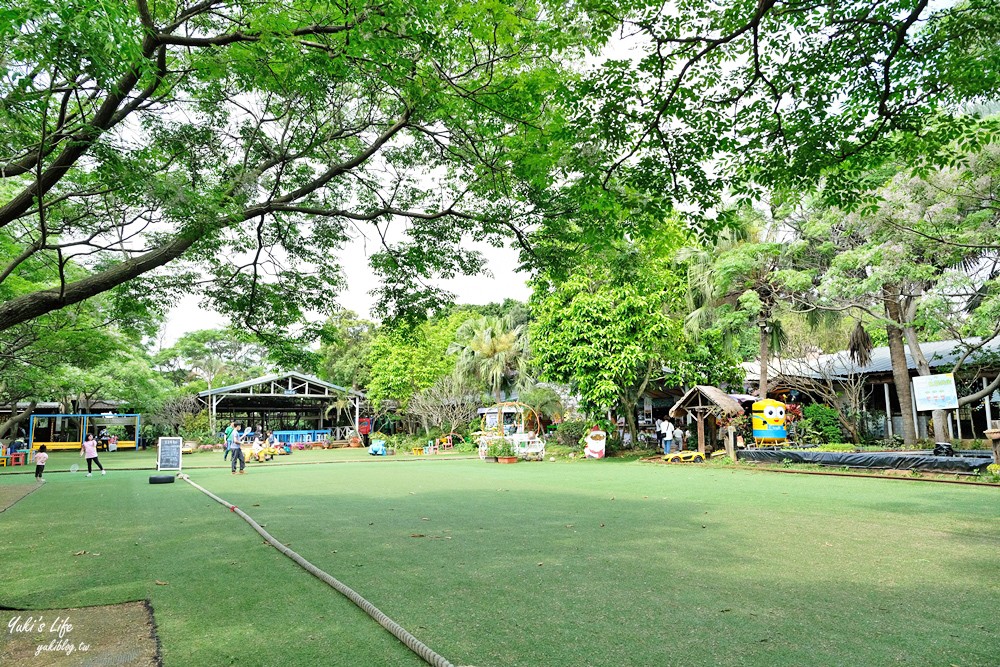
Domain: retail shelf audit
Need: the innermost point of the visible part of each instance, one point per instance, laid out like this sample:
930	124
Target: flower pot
506	459
490	459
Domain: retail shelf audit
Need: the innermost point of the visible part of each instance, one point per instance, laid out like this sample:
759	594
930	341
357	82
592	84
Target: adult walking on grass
89	450
237	451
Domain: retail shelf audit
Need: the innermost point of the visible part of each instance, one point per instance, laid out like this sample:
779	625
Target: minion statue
769	422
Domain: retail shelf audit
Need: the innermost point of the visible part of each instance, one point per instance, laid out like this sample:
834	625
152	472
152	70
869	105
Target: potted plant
505	452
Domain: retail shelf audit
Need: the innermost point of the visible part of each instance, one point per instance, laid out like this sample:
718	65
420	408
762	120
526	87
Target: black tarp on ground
975	453
897	460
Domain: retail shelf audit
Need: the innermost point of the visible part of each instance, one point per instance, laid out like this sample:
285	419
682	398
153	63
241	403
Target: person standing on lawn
667	434
228	439
40	458
89	449
237	450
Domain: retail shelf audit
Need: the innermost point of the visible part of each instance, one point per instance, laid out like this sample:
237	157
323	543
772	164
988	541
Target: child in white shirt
40	458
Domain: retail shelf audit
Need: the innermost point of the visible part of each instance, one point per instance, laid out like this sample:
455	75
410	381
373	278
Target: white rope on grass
396	629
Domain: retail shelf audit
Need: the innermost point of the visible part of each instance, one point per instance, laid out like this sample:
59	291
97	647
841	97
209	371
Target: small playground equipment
594	443
377	448
516	423
67	431
769	422
448	441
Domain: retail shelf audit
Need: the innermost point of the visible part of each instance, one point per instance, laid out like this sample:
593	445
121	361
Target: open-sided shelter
704	401
286	400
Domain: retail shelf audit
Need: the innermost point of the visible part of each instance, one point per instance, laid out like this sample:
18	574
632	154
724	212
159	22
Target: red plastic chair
17	459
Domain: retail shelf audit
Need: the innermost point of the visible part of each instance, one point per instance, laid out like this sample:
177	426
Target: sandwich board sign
168	453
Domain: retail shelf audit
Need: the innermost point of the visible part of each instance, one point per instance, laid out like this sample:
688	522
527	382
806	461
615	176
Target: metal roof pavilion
281	392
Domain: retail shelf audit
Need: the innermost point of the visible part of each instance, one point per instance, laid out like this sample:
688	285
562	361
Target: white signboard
935	392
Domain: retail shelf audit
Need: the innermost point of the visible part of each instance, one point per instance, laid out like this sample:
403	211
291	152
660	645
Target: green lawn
584	563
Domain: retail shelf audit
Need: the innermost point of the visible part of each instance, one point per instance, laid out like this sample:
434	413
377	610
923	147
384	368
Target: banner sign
935	392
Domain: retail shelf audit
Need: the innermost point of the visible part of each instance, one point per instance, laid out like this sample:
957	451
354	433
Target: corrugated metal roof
278	376
939	354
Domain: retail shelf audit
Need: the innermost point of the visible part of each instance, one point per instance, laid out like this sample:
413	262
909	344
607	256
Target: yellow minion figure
769	422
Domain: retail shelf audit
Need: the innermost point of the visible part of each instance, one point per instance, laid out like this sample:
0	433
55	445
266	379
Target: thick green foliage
246	140
403	362
569	433
611	324
823	419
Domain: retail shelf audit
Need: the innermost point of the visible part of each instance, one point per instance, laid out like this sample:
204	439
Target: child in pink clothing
40	458
90	449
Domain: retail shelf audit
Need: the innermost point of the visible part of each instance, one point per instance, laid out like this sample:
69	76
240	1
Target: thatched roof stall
701	401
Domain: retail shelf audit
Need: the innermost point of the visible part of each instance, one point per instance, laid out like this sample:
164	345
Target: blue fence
292	437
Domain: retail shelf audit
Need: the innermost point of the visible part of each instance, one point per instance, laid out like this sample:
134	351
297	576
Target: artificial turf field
536	564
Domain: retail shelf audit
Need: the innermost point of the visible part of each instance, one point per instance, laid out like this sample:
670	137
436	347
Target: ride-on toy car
684	457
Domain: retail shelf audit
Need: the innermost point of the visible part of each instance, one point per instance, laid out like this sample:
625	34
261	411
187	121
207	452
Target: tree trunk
16	419
765	339
900	372
939	417
849	425
630	425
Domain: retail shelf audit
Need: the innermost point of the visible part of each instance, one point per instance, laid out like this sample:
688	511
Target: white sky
504	283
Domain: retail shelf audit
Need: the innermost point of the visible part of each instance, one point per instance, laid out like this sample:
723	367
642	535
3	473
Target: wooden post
988	404
731	442
701	433
888	410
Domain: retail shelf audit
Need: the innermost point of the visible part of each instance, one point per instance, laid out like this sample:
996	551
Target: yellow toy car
684	457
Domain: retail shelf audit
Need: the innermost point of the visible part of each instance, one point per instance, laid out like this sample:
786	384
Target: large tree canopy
922	262
740	97
244	141
241	142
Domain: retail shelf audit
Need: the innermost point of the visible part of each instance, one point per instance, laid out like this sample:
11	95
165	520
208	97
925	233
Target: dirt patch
11	493
121	634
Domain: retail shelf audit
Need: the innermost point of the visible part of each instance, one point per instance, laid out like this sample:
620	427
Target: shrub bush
805	432
893	442
824	419
569	433
195	427
742	425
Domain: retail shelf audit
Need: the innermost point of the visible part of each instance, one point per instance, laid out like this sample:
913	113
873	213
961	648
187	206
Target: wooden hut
703	401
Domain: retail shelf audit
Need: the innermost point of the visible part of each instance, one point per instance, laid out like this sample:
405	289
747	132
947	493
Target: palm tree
738	271
493	351
341	403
